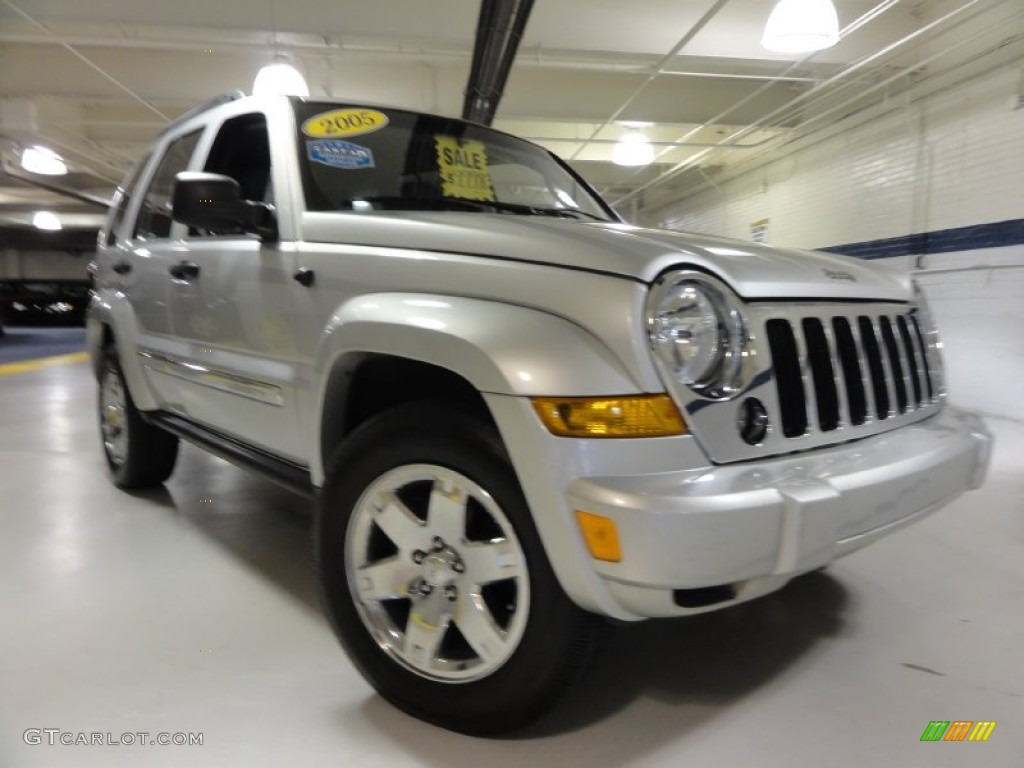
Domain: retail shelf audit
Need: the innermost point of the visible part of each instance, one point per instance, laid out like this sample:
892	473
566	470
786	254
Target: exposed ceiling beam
83	58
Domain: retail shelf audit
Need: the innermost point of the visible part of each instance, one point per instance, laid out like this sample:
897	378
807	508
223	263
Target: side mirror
213	202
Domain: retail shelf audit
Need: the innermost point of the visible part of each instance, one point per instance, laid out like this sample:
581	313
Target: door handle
184	270
122	267
305	277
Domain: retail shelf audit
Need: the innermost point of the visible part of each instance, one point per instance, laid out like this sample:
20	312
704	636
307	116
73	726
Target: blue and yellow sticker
339	123
339	154
463	168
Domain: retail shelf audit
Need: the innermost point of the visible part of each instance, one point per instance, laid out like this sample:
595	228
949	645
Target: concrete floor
193	609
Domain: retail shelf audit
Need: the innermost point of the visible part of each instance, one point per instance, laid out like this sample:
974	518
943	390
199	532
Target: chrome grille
848	370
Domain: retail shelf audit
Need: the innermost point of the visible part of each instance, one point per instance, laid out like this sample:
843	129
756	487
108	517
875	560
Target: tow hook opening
704	596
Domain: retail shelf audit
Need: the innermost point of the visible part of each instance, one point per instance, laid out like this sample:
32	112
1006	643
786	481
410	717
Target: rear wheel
435	578
139	455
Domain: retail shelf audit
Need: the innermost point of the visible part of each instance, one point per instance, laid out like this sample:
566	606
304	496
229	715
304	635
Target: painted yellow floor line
44	362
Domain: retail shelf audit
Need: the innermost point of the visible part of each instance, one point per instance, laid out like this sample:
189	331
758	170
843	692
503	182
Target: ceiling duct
499	30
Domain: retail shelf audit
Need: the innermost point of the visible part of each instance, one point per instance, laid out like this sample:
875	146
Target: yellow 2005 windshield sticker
344	122
464	170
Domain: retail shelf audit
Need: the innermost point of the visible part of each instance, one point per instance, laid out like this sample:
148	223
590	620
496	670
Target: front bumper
702	539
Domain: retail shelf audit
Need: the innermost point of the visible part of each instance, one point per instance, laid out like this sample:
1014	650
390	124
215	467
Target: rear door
142	256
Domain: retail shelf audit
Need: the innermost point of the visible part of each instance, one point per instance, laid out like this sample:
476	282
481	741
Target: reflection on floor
193	610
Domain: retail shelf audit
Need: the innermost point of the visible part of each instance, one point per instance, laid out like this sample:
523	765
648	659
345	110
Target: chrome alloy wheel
437	573
114	417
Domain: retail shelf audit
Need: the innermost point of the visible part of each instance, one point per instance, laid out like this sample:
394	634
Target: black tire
557	638
139	455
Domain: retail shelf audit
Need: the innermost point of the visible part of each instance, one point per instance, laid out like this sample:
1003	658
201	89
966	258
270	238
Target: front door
232	317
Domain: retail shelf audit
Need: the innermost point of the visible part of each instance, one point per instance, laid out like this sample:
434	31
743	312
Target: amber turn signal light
601	536
634	416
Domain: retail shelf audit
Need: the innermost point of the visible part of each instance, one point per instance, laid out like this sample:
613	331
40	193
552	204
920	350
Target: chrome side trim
222	381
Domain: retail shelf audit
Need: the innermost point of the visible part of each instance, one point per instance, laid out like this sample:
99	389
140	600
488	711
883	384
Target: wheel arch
420	346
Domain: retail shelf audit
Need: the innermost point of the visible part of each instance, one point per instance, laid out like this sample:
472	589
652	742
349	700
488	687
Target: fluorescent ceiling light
801	26
43	161
633	149
47	220
280	78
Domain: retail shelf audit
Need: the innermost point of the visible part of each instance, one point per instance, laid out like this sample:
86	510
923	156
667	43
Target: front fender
498	348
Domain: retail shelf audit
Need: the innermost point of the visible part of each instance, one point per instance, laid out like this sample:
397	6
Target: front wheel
435	578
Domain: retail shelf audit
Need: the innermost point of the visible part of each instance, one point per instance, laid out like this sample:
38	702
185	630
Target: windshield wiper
573	213
535	210
398	202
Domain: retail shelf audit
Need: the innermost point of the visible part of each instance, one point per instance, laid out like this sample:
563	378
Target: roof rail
224	98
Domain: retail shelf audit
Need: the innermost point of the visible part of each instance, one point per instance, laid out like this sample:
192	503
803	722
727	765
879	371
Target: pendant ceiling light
633	148
280	78
43	161
801	26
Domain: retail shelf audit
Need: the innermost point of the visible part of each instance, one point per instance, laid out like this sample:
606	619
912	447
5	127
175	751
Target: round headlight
685	330
697	334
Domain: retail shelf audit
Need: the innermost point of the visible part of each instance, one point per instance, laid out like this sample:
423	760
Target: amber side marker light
601	535
635	416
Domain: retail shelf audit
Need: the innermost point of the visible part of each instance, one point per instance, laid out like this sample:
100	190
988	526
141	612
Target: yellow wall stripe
44	362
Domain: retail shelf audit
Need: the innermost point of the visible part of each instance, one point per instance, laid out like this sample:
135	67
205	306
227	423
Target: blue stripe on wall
999	234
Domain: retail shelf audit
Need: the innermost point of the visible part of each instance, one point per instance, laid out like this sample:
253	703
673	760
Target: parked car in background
44	302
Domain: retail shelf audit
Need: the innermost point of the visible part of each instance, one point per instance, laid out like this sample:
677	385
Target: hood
754	271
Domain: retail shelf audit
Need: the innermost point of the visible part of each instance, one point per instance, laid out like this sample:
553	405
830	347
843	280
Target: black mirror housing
214	202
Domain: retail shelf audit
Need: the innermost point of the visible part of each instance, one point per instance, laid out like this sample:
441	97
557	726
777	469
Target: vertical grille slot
915	368
924	356
788	383
822	375
874	355
895	364
838	372
847	353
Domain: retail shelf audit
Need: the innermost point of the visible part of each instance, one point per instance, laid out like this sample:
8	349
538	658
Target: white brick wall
955	159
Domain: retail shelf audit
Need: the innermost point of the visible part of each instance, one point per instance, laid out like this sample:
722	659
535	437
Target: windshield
363	159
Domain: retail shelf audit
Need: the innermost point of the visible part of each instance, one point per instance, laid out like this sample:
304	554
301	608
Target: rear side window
154	219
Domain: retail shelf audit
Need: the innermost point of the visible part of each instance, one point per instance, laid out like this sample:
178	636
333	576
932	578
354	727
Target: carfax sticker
344	122
339	154
464	170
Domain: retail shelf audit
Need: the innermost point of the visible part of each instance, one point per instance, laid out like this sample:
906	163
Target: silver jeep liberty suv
519	416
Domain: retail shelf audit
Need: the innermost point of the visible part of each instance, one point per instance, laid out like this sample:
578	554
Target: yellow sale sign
463	168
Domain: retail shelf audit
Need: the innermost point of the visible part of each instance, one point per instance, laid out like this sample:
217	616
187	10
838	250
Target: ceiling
97	81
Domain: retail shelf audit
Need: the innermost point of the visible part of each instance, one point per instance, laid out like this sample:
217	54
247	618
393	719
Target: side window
242	151
155	213
123	199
